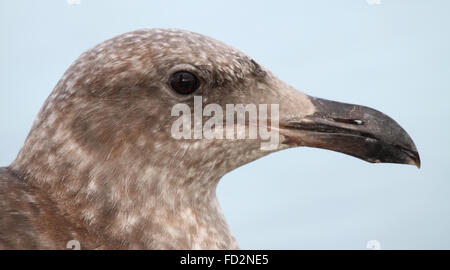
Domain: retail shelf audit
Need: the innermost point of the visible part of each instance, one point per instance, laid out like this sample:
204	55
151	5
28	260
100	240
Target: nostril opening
349	121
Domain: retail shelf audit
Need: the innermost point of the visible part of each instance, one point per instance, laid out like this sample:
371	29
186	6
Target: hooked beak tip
412	156
416	161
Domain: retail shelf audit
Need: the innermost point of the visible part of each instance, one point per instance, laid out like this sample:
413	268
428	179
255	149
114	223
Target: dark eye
184	82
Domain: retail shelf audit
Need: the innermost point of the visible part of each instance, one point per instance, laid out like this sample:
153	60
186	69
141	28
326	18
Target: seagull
100	166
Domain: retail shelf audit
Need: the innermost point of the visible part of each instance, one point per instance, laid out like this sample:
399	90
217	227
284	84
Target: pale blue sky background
394	57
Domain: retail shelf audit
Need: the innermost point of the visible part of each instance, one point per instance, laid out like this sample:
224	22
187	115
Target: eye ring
184	82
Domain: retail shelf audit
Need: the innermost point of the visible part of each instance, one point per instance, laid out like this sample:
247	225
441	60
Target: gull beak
354	130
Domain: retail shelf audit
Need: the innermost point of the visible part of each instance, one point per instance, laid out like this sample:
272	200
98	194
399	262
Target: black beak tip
412	157
417	160
413	154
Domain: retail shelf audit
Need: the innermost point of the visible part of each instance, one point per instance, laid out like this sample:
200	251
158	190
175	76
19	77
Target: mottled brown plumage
100	166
